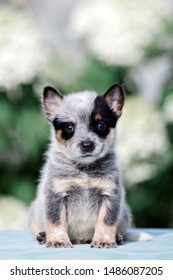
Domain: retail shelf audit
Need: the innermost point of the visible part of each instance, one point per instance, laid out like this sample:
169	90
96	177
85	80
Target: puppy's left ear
115	97
51	101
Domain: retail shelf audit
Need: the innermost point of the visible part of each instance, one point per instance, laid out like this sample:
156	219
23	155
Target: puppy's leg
125	220
56	224
106	226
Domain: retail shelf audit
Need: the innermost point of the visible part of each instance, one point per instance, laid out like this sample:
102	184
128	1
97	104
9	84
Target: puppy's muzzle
87	146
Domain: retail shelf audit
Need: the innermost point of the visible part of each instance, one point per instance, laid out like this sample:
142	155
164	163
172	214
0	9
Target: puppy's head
84	122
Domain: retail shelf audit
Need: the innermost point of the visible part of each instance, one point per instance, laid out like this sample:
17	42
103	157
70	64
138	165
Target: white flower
13	213
116	31
141	134
151	77
22	54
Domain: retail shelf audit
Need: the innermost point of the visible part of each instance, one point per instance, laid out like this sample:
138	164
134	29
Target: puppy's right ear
51	101
115	97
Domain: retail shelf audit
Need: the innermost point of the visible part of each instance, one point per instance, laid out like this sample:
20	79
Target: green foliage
24	134
98	76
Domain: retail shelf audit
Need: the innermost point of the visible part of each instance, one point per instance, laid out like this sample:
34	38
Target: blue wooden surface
21	245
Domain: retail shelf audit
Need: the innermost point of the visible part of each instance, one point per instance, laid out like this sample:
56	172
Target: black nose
87	146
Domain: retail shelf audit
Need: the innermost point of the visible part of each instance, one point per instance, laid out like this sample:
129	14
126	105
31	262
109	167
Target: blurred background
75	45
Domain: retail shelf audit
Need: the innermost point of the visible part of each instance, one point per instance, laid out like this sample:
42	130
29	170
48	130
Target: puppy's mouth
87	155
91	155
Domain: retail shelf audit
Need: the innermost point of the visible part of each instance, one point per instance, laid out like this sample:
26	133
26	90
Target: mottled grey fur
94	180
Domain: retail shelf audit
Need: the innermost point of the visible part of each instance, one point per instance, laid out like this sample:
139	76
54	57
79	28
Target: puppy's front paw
119	239
56	244
96	244
41	237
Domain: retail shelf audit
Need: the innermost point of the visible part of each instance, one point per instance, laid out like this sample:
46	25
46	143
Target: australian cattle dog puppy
80	197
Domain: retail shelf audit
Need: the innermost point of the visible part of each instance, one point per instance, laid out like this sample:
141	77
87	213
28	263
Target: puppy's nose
87	146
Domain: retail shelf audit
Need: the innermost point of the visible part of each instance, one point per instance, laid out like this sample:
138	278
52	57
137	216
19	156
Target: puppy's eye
69	128
101	126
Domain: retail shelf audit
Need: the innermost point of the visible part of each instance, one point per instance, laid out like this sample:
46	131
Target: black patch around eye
67	128
102	113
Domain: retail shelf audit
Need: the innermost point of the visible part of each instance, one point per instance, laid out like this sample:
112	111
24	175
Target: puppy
80	196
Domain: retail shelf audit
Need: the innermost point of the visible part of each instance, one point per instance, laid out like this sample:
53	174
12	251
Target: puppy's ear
50	102
115	97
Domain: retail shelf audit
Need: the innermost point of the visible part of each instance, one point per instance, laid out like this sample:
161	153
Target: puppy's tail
137	236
